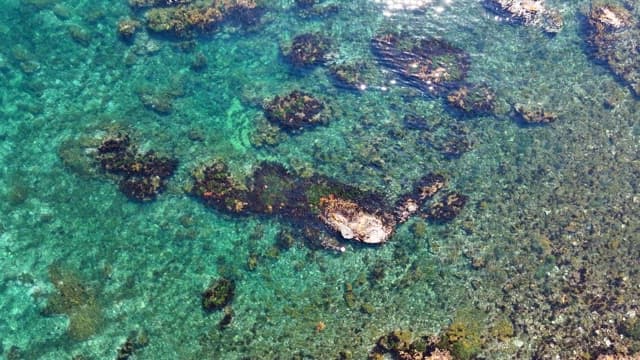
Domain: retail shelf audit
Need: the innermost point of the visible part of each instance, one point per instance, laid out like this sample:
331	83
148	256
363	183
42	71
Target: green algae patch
463	337
502	329
77	300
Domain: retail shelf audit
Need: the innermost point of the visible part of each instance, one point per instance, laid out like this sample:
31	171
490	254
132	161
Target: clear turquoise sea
542	262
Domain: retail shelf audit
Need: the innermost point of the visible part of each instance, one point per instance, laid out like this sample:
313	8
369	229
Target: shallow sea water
541	263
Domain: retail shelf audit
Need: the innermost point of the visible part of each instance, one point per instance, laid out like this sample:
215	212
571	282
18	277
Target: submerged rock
215	186
295	110
528	13
274	189
430	64
454	143
353	222
305	4
448	207
307	50
315	202
614	34
141	188
313	9
152	3
218	295
191	17
403	345
473	99
534	115
353	76
424	190
143	175
127	29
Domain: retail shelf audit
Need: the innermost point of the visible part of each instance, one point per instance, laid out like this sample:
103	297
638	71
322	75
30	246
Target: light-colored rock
353	222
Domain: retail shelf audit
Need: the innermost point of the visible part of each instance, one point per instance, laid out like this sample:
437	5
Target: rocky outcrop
528	13
614	34
353	222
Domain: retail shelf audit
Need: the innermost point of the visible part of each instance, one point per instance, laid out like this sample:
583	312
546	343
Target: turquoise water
540	263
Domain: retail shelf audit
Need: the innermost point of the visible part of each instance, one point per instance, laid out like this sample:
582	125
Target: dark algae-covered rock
136	341
315	202
142	176
473	99
352	76
404	345
448	207
274	189
430	64
141	188
218	295
534	115
425	189
214	185
614	35
307	50
295	111
188	18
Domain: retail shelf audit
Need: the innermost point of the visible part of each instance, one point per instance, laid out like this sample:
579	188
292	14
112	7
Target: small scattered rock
218	295
127	29
534	115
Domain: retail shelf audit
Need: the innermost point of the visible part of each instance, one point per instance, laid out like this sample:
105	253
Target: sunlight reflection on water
392	7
